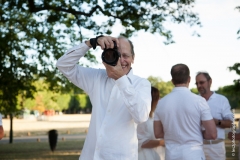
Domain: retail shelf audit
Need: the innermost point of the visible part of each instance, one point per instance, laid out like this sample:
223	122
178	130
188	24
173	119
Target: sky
214	51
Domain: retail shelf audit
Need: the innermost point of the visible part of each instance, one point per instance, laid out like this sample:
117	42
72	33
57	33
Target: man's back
181	113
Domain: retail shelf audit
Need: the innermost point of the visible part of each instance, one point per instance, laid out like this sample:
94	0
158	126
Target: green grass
65	150
229	153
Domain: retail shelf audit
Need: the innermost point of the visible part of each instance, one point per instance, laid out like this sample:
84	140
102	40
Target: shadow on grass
69	150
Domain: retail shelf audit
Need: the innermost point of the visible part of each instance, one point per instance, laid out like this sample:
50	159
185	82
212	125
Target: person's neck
207	95
129	70
181	85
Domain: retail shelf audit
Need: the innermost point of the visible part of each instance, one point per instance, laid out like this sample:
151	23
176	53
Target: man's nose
121	59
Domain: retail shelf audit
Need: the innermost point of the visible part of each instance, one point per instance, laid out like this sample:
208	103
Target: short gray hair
206	75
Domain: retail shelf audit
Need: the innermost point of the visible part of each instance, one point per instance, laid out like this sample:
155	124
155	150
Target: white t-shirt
181	113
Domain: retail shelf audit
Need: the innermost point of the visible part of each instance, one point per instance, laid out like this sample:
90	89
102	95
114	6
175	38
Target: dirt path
51	122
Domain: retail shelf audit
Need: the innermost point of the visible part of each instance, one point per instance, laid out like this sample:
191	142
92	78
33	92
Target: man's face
126	56
203	85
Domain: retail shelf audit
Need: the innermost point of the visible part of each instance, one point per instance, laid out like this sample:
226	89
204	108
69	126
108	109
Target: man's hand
104	42
114	72
107	42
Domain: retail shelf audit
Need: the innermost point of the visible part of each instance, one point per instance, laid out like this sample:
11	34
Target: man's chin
126	70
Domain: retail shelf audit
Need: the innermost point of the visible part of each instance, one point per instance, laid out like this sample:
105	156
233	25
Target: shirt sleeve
156	113
82	77
226	113
137	98
205	110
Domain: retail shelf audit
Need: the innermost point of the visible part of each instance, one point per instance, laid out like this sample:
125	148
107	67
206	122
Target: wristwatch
219	122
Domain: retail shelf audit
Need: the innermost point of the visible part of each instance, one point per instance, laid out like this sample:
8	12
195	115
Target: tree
234	99
238	32
194	90
233	91
33	34
164	87
132	15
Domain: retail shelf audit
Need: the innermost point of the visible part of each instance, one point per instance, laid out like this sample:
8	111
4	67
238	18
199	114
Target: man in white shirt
1	128
120	99
222	115
179	117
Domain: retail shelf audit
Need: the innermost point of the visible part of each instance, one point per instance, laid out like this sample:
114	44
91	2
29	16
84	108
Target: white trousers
215	151
184	152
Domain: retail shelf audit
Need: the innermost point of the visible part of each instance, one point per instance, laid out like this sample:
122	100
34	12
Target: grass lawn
229	148
65	150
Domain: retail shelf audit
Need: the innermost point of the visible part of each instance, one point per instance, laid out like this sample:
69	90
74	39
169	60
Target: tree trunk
11	129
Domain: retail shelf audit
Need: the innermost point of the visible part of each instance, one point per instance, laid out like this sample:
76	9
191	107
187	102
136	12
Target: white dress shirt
118	106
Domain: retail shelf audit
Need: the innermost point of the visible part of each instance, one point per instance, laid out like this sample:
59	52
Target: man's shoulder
219	96
136	78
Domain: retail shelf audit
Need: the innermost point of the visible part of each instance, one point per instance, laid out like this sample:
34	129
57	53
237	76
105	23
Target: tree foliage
45	99
36	33
164	87
132	15
233	91
238	32
33	34
194	90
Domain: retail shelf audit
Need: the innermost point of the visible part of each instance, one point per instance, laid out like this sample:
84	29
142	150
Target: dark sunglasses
200	82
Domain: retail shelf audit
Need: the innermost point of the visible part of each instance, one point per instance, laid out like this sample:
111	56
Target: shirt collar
212	96
180	89
130	75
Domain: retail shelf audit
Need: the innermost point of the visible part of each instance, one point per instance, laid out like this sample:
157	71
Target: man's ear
210	82
189	79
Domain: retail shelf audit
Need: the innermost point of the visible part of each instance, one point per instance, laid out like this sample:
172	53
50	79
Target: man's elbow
141	120
211	135
159	135
214	135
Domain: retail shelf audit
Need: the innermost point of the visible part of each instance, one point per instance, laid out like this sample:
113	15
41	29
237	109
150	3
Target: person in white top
120	100
1	128
179	118
222	115
150	148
